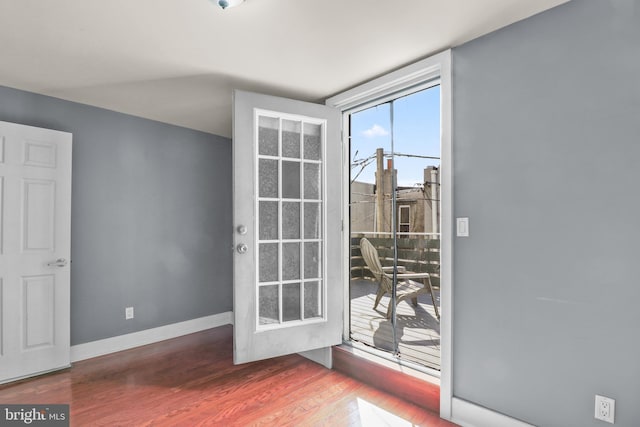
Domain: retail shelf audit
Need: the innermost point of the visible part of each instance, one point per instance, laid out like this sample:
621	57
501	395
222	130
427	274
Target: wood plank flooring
191	381
418	330
421	391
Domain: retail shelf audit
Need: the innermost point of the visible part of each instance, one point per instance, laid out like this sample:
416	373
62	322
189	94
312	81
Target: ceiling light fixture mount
226	4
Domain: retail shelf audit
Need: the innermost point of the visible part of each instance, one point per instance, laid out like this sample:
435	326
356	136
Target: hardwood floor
191	381
425	394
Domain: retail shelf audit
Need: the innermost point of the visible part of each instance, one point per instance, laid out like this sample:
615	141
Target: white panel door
35	250
288	289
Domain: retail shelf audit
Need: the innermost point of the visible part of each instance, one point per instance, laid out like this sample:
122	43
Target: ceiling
177	61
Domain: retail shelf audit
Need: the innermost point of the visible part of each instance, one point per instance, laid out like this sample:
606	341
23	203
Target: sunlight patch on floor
374	416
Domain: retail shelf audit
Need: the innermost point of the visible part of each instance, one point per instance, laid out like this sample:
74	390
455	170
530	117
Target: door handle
60	262
242	248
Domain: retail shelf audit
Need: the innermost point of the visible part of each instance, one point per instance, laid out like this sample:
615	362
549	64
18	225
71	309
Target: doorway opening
394	226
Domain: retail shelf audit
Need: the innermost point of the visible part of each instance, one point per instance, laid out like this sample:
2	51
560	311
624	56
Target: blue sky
416	131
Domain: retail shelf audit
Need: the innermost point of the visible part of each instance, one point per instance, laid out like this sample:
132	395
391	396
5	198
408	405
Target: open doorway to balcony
395	207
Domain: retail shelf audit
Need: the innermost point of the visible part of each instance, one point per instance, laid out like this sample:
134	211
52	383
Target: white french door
287	227
35	250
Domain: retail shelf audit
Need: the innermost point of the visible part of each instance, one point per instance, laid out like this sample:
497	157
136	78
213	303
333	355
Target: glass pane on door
290	212
291	133
268	130
269	305
394	205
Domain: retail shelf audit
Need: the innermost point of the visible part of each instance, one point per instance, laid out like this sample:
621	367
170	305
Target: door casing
393	85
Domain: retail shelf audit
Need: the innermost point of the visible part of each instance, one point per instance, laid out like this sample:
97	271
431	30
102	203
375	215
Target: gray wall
547	112
151	216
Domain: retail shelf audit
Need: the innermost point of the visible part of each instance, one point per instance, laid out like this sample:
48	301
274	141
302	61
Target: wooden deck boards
417	327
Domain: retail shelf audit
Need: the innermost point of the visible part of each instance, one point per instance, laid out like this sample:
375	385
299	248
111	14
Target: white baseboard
468	414
148	336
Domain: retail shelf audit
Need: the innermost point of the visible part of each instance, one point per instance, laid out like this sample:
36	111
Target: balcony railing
417	252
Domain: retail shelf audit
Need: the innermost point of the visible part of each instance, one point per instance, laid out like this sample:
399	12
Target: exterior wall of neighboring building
419	200
414	199
363	207
431	196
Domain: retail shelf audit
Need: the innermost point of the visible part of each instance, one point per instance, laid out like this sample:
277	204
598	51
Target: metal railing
417	252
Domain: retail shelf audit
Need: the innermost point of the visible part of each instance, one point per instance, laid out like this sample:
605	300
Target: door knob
60	262
242	248
242	230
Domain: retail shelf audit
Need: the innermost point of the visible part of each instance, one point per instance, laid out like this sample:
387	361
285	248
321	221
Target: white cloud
375	130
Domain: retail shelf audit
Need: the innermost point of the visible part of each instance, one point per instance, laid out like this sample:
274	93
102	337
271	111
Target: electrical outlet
128	313
605	409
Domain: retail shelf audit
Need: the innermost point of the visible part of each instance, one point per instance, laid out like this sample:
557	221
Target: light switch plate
462	227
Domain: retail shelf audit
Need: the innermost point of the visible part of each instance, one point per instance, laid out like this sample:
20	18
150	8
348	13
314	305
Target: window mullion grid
322	286
302	237
280	222
256	225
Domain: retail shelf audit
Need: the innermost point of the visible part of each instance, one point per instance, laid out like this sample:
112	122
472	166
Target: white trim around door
393	85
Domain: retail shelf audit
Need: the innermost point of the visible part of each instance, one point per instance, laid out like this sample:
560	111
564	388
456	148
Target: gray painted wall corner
151	214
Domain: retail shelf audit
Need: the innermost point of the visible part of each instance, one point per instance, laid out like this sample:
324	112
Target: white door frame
374	92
